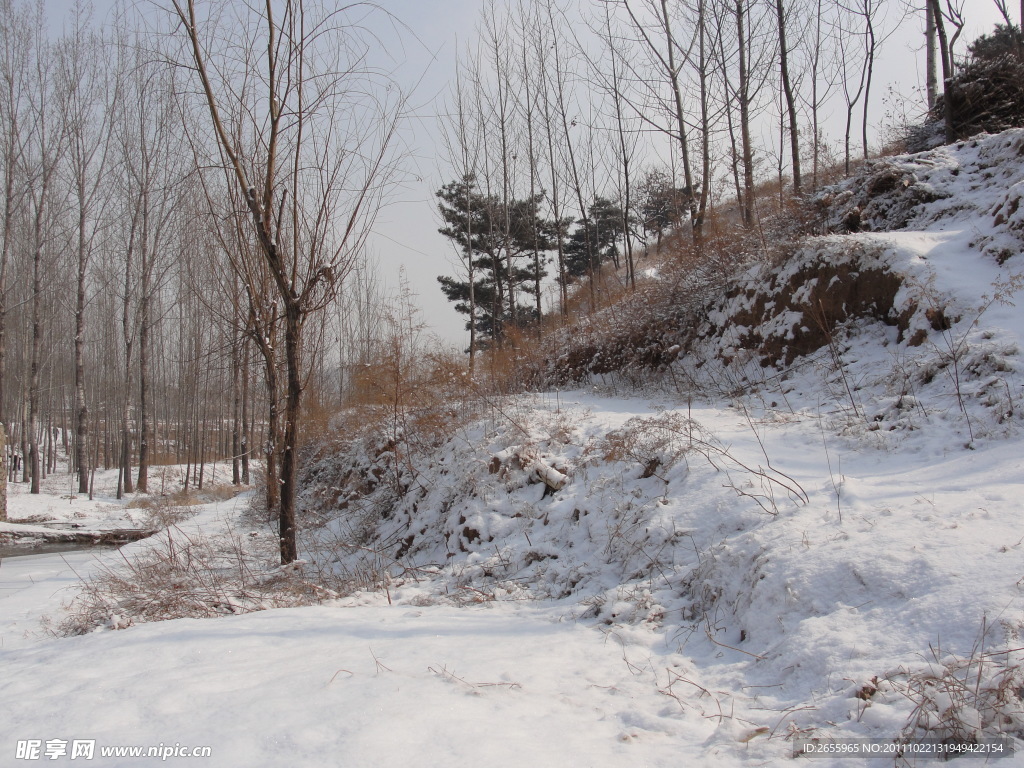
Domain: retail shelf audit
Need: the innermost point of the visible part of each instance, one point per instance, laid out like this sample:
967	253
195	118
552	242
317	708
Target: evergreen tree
604	225
987	92
496	238
662	204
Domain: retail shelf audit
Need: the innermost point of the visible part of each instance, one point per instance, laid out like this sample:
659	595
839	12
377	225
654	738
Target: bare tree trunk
5	458
471	266
467	140
494	40
744	99
144	329
289	461
869	52
25	450
530	97
48	454
204	429
267	346
815	63
684	146
931	83
624	154
236	400
556	208
563	114
37	332
794	135
124	479
81	407
851	98
246	437
734	161
947	69
705	118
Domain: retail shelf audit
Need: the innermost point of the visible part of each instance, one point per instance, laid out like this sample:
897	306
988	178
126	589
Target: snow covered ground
590	579
808	609
59	508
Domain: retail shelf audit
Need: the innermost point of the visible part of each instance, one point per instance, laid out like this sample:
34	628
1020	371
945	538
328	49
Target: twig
828	460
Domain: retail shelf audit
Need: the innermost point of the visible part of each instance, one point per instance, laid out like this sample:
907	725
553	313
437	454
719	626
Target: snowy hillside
849	524
664	578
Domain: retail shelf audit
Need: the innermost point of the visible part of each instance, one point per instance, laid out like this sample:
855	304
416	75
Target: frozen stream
26	550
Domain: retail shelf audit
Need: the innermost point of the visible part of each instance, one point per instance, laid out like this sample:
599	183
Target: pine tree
498	243
603	230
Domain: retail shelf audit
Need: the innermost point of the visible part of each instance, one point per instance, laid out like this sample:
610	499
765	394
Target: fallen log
10	535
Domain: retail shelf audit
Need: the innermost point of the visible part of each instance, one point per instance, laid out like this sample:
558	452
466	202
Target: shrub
987	93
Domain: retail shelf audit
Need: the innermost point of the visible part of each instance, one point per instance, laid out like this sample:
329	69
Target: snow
601	579
372	685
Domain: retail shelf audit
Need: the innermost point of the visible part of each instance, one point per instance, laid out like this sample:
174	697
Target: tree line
576	134
185	193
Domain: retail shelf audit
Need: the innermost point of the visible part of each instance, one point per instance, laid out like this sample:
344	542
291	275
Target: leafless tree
787	86
462	134
541	48
656	31
1004	10
16	49
47	144
90	86
625	140
304	129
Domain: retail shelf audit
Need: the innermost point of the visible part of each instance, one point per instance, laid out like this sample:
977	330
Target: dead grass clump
186	497
659	442
655	444
169	509
960	700
185	575
161	516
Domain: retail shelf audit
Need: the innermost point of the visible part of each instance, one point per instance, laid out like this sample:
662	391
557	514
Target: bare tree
1004	10
745	97
669	61
90	86
47	145
931	84
787	86
542	46
854	68
16	46
463	138
304	129
529	108
626	142
559	80
499	106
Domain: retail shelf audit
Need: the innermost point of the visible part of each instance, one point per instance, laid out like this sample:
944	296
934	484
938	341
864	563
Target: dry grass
961	700
657	443
187	497
189	575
